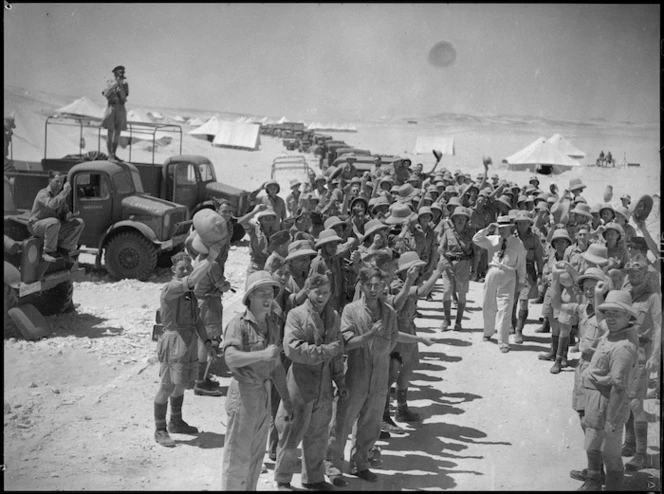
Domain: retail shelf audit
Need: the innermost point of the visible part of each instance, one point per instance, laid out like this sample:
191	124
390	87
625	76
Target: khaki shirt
244	333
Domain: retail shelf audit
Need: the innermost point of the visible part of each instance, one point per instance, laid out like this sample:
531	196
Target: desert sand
78	404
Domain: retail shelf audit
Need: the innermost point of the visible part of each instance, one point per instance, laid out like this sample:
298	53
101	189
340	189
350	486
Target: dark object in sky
442	54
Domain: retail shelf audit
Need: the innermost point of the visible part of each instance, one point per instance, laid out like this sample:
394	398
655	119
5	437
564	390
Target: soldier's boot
404	414
551	354
459	316
545	327
447	320
521	322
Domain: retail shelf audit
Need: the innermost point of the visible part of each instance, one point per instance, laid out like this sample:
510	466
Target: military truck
28	280
129	227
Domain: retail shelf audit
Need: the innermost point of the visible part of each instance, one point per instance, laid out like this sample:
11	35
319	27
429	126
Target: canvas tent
84	107
541	155
208	130
566	147
195	122
444	144
237	135
178	119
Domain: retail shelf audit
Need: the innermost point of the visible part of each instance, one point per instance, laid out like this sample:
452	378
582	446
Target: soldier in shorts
177	347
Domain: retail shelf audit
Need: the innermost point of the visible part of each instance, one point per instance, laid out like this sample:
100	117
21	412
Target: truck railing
134	128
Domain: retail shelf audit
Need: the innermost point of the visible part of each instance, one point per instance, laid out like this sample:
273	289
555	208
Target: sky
346	61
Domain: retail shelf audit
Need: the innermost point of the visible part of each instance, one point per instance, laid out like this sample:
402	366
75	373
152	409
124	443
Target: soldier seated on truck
52	220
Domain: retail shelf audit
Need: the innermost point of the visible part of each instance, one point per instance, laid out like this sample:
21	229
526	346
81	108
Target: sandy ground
79	416
78	409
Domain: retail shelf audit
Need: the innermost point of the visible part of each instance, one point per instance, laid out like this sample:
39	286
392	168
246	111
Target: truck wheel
56	300
130	255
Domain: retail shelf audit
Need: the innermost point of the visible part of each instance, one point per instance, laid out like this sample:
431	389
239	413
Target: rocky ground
78	409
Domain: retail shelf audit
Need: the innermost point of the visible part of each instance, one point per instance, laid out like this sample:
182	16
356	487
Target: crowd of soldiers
335	274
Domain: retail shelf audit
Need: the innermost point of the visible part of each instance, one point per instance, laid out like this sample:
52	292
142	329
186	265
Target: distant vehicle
285	168
28	280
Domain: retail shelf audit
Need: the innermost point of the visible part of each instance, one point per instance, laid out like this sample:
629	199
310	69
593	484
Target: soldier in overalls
252	350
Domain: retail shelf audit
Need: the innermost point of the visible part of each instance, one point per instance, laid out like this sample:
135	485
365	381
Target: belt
458	257
501	266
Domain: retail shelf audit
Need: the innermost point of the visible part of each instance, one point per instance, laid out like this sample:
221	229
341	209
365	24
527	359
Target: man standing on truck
115	115
52	220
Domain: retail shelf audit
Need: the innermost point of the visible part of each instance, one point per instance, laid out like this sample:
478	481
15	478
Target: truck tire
130	255
56	300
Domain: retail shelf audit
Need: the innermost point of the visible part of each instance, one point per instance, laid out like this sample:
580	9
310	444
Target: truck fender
203	205
123	225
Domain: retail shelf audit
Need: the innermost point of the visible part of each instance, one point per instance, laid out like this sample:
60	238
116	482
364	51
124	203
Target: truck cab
129	226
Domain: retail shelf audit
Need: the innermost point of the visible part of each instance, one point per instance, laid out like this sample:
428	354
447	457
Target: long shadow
427	365
204	440
528	348
441	356
420	440
87	326
452	342
537	339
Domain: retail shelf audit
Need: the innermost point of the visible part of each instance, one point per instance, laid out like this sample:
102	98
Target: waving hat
409	259
596	254
642	208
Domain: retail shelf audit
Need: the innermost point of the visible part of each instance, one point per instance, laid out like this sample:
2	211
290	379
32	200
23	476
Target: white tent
178	119
156	115
209	128
237	135
137	116
540	153
84	107
444	144
195	122
282	120
566	147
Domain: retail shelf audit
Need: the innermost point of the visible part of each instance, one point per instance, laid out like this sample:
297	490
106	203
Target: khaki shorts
178	355
460	280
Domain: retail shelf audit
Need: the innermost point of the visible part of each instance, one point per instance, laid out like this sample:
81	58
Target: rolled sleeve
622	365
